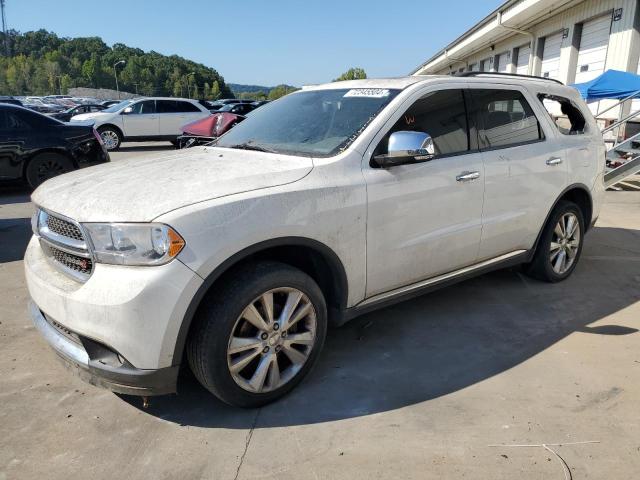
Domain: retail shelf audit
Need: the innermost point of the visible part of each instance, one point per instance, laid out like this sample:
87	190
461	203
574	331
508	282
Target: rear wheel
110	137
45	166
260	334
560	245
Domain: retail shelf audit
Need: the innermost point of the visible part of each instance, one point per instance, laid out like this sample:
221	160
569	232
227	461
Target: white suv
144	119
325	204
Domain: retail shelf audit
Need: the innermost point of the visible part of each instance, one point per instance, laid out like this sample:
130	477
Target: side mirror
127	111
406	147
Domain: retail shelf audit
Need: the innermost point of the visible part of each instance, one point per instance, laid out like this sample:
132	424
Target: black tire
45	166
217	319
111	137
541	267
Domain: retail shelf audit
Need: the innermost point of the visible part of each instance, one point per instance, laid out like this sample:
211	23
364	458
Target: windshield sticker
368	92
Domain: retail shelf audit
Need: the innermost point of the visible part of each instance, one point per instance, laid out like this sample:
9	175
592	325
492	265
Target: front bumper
100	366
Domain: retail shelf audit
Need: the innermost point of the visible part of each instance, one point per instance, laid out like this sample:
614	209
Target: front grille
64	228
73	262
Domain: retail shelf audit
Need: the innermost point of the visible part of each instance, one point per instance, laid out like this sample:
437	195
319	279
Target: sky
266	43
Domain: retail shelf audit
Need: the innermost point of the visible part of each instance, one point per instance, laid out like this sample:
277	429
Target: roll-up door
551	56
592	54
522	63
503	62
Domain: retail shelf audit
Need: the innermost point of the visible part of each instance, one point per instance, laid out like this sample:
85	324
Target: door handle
467	176
554	161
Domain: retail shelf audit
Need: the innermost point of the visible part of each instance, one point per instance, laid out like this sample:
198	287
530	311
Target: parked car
218	104
38	105
35	147
109	103
10	100
320	206
207	129
77	110
144	119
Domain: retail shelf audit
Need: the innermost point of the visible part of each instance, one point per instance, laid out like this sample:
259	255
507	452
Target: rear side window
564	113
12	122
186	107
443	116
503	118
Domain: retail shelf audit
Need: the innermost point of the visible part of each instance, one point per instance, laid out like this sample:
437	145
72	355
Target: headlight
134	243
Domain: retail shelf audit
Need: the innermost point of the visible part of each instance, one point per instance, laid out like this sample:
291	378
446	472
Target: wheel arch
113	126
577	193
58	151
311	256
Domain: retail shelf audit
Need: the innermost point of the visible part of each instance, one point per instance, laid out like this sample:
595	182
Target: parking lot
423	389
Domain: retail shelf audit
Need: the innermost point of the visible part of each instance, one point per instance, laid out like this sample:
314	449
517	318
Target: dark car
77	110
10	100
35	147
216	105
109	103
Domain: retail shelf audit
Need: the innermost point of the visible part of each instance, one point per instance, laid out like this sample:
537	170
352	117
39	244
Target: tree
215	91
280	91
352	74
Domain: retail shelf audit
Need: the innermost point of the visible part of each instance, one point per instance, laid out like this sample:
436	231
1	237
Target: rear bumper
99	366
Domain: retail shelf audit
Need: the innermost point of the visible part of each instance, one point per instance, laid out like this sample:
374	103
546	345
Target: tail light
98	137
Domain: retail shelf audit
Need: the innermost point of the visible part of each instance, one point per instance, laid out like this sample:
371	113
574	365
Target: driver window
141	108
441	115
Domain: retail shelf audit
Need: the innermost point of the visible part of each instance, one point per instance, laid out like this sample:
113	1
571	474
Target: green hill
42	63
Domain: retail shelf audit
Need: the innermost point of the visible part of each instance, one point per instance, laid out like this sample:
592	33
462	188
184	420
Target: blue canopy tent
612	84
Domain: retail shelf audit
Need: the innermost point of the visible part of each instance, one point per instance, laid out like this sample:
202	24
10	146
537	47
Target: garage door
503	62
522	64
551	56
592	54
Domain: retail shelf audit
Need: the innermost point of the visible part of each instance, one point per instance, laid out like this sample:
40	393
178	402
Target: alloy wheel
565	242
110	139
49	169
271	340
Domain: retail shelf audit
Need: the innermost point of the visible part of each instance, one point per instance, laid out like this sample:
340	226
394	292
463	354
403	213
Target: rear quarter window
565	114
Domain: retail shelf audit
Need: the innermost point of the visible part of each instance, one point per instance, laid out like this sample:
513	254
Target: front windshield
310	123
117	106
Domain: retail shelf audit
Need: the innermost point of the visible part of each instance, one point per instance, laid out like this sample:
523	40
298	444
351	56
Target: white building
570	40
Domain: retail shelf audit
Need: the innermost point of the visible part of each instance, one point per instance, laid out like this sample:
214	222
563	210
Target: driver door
141	119
425	219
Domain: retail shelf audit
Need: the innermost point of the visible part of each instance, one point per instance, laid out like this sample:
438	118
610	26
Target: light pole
189	83
59	78
115	73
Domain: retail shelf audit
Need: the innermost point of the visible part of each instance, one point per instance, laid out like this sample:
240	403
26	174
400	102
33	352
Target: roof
393	83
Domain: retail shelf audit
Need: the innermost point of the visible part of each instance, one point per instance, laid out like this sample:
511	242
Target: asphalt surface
418	390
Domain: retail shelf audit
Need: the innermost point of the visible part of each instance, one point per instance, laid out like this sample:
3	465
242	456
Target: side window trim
542	134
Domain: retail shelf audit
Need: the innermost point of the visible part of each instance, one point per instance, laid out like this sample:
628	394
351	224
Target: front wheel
45	166
560	244
110	137
258	336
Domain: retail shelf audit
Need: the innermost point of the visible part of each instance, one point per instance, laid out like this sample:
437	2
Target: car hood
143	188
89	116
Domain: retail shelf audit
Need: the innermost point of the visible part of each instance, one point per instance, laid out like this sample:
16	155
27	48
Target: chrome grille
64	228
63	243
71	261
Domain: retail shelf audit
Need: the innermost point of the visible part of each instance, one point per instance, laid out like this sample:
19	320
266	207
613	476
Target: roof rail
505	74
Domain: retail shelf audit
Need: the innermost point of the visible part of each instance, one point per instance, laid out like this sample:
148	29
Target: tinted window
564	114
443	116
166	106
504	118
10	121
141	108
186	107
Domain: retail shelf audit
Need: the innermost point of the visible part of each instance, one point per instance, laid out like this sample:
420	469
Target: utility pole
4	30
115	72
189	83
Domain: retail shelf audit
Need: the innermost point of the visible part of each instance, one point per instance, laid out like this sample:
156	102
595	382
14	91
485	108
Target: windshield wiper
249	146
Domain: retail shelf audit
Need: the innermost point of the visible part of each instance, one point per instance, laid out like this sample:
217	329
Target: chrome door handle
554	161
466	176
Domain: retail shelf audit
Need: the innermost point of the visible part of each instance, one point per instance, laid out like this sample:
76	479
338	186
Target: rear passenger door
424	219
524	165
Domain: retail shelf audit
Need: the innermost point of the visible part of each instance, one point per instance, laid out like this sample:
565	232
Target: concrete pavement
418	390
